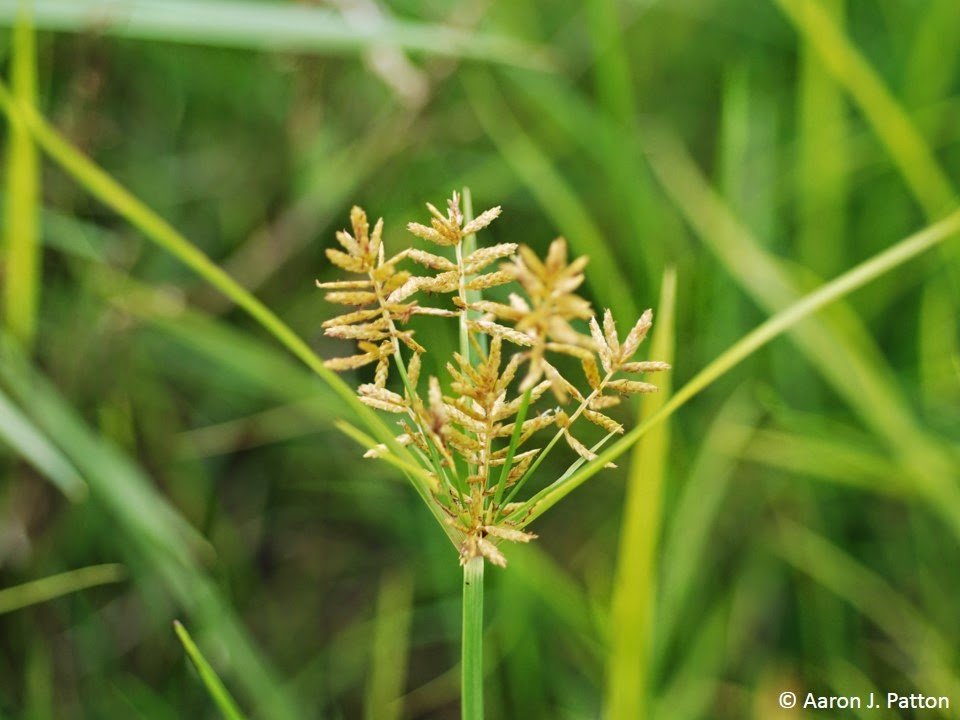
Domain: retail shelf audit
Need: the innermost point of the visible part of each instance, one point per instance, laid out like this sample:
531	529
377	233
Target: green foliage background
802	518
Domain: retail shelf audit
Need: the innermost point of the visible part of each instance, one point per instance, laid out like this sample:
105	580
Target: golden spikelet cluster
472	438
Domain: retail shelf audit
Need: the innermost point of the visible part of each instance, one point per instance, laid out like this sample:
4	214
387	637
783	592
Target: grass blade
823	160
24	437
391	644
228	707
273	26
21	235
632	610
49	588
858	276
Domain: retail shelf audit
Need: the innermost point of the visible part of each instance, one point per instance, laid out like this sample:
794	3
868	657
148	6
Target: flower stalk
472	429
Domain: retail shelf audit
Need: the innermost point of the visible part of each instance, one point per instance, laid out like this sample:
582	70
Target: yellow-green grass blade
21	232
632	609
49	588
391	647
822	161
858	276
857	370
929	654
20	433
215	687
556	197
277	27
907	147
102	186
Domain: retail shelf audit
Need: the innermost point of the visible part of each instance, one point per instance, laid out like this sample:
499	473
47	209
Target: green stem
472	658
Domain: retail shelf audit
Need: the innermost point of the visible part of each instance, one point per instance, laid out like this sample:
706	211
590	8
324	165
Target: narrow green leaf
226	704
823	161
632	609
391	647
512	448
49	588
17	430
21	233
775	326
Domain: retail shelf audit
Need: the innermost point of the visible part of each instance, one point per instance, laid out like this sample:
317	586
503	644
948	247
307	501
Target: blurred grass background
798	524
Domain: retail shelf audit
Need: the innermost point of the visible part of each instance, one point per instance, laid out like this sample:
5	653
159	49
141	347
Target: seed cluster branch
473	439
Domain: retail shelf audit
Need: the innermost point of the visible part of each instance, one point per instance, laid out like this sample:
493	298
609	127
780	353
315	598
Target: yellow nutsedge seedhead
471	440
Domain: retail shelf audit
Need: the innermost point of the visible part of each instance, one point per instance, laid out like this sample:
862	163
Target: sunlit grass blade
226	704
22	435
21	290
557	199
907	147
49	588
928	652
273	26
635	587
391	646
775	326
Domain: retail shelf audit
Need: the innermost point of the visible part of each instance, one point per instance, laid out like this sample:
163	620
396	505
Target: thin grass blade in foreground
21	233
275	26
228	707
49	588
632	606
856	277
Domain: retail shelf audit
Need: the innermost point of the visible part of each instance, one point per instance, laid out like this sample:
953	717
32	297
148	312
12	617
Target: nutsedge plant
473	440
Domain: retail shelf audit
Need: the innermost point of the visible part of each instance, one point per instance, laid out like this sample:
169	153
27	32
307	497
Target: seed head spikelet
471	429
